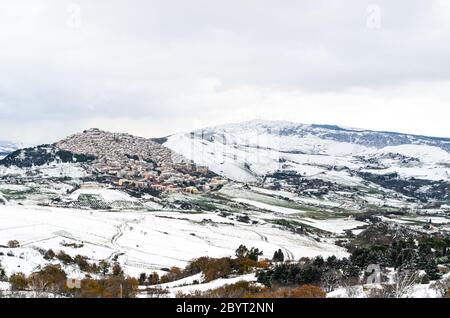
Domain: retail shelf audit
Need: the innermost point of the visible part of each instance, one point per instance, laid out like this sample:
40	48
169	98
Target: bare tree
330	280
403	284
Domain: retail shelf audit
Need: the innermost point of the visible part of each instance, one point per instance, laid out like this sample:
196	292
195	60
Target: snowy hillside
99	199
139	240
7	147
249	151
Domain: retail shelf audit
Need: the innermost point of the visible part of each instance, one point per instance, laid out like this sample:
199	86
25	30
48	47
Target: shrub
243	265
18	281
51	279
304	291
153	278
254	254
218	268
174	273
263	264
84	265
240	289
103	267
278	256
13	244
245	289
2	272
142	279
65	258
117	270
49	255
111	287
90	288
243	252
308	291
214	268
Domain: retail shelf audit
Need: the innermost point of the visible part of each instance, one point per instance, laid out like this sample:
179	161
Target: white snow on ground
250	154
142	241
348	292
337	226
394	220
294	197
433	219
269	207
108	195
58	170
4	285
428	172
182	282
247	152
55	170
425	153
423	291
24	260
13	187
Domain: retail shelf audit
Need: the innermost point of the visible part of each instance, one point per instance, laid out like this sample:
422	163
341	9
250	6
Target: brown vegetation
18	281
245	289
13	244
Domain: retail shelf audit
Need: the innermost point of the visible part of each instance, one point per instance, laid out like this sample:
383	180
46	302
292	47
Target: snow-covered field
142	241
334	225
269	207
108	195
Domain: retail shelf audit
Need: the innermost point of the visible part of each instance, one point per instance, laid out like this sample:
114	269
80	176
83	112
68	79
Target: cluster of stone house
129	161
167	178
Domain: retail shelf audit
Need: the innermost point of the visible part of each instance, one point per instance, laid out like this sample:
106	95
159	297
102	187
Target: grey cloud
145	58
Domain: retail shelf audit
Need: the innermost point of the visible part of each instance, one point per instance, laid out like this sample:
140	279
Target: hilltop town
133	164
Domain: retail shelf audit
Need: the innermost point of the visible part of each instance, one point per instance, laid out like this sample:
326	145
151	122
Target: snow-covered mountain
309	191
7	147
251	151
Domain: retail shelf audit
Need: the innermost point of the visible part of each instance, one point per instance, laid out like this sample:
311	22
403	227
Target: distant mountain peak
250	150
6	147
364	137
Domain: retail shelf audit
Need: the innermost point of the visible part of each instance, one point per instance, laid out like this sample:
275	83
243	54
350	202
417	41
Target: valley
154	205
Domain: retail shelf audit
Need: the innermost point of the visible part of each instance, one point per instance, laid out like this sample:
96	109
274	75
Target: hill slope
287	154
6	147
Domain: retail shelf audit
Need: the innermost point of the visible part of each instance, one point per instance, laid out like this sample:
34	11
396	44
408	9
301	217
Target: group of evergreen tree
425	254
307	271
2	272
278	256
252	254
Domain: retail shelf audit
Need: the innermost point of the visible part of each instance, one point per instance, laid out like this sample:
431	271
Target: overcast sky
153	68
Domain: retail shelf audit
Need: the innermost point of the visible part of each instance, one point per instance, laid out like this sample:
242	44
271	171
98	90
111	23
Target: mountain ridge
396	138
6	147
250	151
288	127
